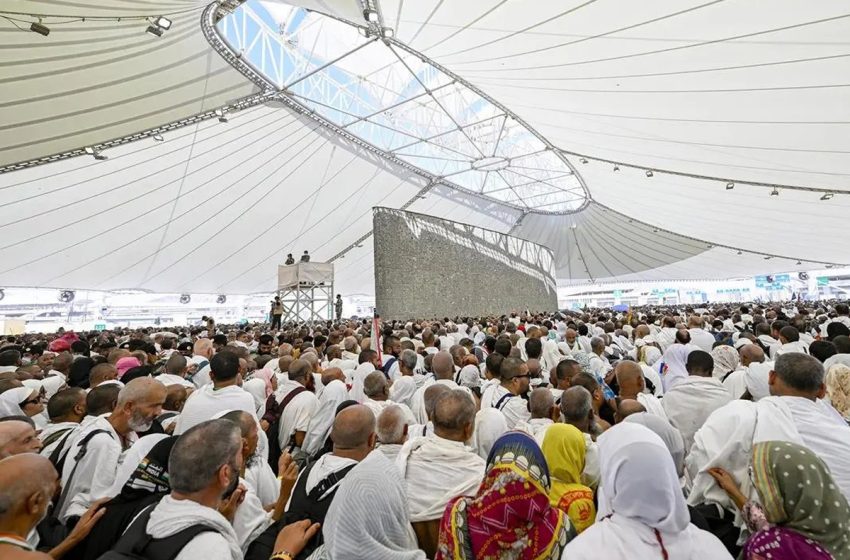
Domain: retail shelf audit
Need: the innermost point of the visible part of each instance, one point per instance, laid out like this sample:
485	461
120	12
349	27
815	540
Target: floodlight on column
370	15
154	30
827	196
730	185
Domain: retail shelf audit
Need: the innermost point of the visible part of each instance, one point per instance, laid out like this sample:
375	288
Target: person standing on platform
277	312
305	257
289	259
338	307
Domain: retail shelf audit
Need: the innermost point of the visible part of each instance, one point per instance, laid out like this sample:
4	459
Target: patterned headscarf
583	360
838	388
798	493
510	517
726	360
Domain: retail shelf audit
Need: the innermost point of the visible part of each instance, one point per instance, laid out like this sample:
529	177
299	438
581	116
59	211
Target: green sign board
100	326
823	280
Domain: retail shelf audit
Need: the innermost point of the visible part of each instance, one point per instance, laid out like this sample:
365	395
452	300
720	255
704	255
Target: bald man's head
432	393
17	437
454	414
175	398
627	407
101	373
27	484
392	428
332	374
353	432
443	365
751	353
541	403
629	378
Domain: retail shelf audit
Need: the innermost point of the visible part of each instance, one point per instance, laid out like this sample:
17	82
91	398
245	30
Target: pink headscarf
125	364
266	375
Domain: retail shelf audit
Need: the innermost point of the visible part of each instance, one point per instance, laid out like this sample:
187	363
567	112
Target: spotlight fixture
801	274
66	296
387	32
158	26
40	28
221	299
96	154
158	138
767	258
730	185
655	230
222	116
370	15
616	167
740	252
583	160
827	196
185	298
649	173
829	266
774	192
2	294
162	22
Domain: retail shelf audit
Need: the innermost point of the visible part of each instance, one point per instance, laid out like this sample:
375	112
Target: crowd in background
665	432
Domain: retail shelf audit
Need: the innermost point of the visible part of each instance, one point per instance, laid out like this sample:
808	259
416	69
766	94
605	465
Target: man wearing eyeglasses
506	398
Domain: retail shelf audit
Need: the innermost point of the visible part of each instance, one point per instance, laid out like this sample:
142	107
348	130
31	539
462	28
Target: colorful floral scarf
510	518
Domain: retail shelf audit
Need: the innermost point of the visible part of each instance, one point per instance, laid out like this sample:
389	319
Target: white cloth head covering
402	390
757	379
741	342
726	359
360	374
10	401
369	514
320	424
257	389
639	479
651	355
671	437
52	385
469	376
490	425
675	358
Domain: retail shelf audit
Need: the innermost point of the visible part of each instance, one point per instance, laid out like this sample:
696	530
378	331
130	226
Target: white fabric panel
93	81
313	272
716	88
216	216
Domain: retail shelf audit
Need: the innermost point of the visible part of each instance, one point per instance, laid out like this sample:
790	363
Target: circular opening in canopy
403	104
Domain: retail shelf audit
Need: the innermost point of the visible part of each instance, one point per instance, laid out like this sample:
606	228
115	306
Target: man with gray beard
92	460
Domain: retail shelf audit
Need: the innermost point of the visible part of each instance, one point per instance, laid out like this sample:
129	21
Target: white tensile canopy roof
657	140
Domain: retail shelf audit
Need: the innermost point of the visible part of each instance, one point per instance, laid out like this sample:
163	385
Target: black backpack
137	544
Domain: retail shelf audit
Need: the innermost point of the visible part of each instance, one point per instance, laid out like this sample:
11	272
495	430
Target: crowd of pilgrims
661	433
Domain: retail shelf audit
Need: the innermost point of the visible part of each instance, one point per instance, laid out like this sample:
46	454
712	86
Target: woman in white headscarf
402	390
648	357
673	364
642	511
368	518
320	424
257	389
359	376
21	401
490	425
671	437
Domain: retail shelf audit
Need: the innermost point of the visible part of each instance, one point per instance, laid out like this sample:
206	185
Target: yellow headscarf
564	450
